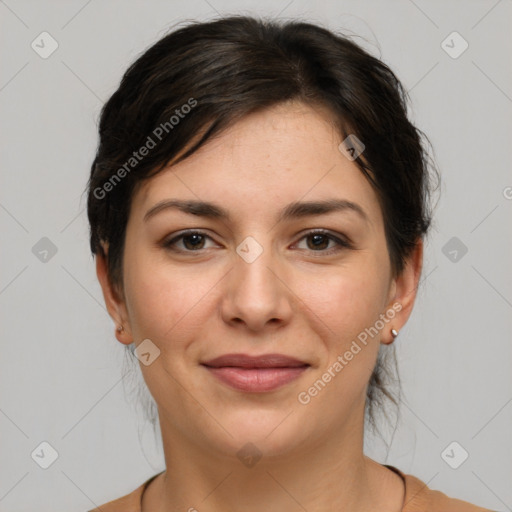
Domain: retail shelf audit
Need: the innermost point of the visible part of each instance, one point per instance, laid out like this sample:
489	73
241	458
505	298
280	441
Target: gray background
60	365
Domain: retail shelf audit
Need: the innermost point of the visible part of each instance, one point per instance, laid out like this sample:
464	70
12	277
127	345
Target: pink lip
256	374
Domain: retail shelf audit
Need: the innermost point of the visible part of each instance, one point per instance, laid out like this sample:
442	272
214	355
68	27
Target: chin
270	432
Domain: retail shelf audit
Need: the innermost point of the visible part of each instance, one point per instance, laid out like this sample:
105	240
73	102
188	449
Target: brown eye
318	241
191	241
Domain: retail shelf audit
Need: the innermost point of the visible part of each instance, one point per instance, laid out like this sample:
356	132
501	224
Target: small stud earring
120	328
394	333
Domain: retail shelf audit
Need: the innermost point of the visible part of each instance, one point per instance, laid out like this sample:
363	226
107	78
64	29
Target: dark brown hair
202	78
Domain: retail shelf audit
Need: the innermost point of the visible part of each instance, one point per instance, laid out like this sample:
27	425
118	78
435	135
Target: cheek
169	306
348	302
347	299
165	303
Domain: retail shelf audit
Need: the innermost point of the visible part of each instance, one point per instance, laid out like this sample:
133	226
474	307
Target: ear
114	301
403	292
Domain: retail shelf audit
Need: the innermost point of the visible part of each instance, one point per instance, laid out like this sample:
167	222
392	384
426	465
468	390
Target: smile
256	374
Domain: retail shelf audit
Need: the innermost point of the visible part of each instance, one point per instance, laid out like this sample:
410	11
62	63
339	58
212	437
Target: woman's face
259	282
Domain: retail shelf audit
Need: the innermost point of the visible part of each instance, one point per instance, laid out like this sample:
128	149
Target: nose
257	295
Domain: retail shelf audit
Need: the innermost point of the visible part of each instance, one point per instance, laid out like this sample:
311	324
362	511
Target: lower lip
256	380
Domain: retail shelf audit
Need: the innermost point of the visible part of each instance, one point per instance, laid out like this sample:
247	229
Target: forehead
268	159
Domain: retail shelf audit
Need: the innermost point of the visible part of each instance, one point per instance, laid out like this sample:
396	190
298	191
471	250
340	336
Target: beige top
418	498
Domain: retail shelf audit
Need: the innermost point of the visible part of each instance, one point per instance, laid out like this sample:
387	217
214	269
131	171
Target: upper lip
262	361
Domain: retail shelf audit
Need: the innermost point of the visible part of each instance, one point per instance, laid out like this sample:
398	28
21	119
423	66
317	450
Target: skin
294	299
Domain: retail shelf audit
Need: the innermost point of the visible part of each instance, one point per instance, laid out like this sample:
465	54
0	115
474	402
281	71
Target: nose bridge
255	259
256	295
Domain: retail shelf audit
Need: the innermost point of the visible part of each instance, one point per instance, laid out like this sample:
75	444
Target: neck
326	476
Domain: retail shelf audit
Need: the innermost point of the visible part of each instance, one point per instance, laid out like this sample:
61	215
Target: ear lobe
405	287
114	303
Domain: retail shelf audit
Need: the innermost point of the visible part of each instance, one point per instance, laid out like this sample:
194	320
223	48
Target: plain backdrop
60	364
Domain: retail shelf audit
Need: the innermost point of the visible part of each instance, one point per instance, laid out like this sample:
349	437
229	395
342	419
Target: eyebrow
294	210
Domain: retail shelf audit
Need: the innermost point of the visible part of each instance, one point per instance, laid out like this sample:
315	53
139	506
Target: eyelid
167	243
341	240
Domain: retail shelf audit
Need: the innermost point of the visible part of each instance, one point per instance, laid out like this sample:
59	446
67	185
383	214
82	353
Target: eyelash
342	244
